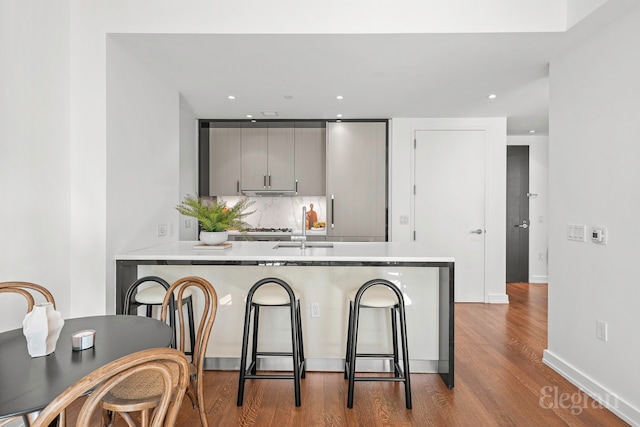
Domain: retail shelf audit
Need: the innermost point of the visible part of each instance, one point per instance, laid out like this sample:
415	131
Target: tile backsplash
281	212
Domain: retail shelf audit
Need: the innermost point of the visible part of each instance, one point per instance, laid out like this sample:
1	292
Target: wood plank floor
500	380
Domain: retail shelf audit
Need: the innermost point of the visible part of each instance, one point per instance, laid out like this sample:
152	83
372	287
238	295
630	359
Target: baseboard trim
600	394
498	299
539	279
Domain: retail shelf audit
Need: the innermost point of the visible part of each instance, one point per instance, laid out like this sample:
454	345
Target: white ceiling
380	76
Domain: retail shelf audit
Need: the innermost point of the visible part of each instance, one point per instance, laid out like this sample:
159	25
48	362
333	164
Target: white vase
213	237
41	326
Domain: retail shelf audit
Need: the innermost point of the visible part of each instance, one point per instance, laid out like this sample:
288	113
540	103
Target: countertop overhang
265	252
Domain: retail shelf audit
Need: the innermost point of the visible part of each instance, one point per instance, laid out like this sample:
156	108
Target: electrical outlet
601	330
162	230
187	223
404	219
540	256
315	309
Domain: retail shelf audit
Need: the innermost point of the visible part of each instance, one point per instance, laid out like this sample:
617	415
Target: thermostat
599	235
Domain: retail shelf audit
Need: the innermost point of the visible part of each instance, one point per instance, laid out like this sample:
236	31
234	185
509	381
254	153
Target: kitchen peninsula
324	275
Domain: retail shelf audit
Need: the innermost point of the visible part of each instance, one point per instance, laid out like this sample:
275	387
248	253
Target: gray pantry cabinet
356	181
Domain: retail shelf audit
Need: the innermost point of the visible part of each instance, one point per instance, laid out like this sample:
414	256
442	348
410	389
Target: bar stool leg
243	355
352	353
394	335
300	358
405	357
295	350
347	356
254	342
192	327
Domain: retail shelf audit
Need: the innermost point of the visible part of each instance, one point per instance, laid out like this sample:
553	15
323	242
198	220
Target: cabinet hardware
238	186
264	181
296	186
269	180
332	210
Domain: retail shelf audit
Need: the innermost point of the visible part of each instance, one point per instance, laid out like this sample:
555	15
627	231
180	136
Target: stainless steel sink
306	245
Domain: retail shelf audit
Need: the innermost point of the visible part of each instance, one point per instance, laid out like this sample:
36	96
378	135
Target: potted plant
215	217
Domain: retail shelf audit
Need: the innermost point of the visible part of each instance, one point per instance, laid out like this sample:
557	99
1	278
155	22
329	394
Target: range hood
269	193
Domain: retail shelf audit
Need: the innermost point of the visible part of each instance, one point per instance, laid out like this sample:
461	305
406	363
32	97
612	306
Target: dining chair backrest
27	290
172	365
209	310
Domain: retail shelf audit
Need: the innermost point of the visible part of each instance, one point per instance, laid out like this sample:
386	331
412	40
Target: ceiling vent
269	113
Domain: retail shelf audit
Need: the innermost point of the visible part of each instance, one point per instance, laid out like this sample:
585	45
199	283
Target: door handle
523	225
478	231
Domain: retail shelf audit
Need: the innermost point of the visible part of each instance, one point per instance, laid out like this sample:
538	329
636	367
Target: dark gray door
517	214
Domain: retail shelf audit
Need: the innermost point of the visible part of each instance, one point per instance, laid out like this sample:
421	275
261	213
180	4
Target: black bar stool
271	292
378	293
154	295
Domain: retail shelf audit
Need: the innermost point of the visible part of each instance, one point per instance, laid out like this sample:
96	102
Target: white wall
93	22
143	159
401	169
188	167
593	180
34	151
578	9
538	184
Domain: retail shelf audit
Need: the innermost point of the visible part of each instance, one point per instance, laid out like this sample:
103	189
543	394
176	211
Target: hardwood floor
500	380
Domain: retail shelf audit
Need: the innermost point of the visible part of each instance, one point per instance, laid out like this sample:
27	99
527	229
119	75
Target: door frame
403	137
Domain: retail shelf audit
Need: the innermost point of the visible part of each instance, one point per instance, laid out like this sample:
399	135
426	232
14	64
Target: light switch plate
576	232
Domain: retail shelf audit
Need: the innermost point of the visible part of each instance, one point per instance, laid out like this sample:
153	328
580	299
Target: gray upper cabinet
268	156
310	159
225	160
356	181
281	157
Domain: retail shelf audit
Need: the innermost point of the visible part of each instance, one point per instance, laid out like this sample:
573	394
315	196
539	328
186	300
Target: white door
449	174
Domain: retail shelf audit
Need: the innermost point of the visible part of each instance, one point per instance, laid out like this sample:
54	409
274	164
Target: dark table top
29	384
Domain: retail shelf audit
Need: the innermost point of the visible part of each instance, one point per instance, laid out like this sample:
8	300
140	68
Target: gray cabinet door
356	181
310	160
224	161
280	156
254	157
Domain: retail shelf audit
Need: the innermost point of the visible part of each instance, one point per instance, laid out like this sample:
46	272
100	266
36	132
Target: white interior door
449	201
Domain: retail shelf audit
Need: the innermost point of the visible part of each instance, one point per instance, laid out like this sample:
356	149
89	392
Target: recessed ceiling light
231	97
253	121
338	115
532	131
338	121
339	97
492	96
249	116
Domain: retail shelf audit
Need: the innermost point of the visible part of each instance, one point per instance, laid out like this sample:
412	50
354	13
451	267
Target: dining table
29	384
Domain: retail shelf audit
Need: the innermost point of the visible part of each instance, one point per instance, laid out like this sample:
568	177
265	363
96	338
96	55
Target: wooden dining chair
28	290
129	397
170	366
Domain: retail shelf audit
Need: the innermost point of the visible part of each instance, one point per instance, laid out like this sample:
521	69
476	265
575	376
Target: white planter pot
213	237
41	326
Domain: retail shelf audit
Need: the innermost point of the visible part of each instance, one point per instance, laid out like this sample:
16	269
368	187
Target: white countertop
264	251
311	232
